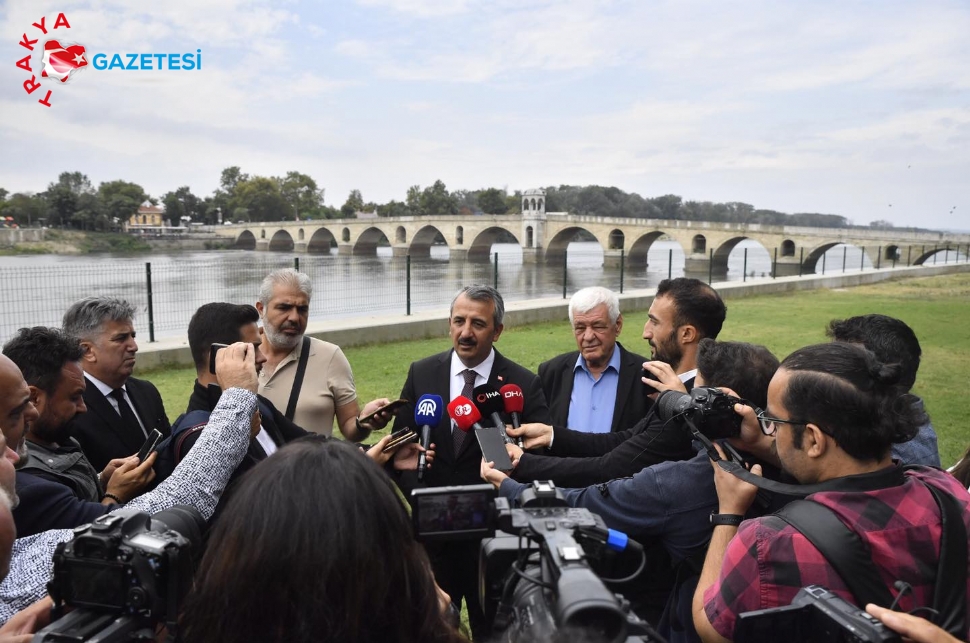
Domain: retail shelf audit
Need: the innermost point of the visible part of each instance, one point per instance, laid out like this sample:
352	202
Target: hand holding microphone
427	414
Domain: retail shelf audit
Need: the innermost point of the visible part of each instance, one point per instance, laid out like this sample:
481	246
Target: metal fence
167	292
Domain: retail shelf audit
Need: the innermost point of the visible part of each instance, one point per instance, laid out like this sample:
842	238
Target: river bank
42	241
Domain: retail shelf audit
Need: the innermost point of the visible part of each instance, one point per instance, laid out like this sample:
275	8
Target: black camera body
815	615
709	409
535	574
123	574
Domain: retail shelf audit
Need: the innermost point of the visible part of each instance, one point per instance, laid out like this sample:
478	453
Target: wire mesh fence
167	290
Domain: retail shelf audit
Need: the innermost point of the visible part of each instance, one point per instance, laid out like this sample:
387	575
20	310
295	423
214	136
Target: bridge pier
299	246
262	244
788	267
531	255
612	258
345	249
697	263
458	255
398	250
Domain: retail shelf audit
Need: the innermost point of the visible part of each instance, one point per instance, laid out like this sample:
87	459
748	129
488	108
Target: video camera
708	409
123	574
545	572
815	615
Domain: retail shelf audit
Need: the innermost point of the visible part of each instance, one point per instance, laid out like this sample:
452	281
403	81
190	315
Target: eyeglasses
768	423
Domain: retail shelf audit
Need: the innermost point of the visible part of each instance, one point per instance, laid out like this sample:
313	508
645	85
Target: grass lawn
937	308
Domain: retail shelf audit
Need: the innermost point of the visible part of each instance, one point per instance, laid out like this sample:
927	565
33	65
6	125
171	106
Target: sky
860	109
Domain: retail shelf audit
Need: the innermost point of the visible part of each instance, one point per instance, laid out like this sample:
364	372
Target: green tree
493	201
260	197
119	200
437	201
63	200
182	203
26	209
301	193
413	200
353	205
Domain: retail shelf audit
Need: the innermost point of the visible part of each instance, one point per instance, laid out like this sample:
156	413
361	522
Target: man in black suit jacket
475	322
597	388
122	410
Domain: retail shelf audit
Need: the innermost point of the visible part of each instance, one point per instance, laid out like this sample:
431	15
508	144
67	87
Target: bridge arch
246	240
787	248
481	245
559	244
616	239
345	235
698	244
640	248
321	242
299	234
400	235
282	240
891	253
423	239
935	255
460	235
369	240
756	250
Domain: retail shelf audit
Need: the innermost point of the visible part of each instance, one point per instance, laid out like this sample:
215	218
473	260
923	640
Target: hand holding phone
153	439
215	348
388	408
398	439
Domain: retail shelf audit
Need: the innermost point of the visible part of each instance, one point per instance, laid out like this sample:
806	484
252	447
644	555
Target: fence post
296	264
823	263
407	280
565	264
946	256
744	277
862	259
670	263
801	260
774	265
710	269
495	273
845	254
151	308
622	259
879	258
909	256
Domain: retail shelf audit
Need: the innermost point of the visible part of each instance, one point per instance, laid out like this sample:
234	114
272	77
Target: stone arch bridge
545	237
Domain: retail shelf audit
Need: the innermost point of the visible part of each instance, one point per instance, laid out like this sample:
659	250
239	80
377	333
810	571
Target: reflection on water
37	289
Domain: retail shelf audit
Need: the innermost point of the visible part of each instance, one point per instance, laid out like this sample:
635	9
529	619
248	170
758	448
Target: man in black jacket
683	312
475	323
122	410
597	388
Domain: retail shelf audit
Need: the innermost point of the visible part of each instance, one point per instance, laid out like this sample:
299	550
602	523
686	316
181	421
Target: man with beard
309	378
58	484
683	312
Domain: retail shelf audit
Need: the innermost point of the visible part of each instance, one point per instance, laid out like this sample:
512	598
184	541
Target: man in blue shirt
596	389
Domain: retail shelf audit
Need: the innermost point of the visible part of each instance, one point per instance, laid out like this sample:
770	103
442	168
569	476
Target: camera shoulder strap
298	379
841	547
950	593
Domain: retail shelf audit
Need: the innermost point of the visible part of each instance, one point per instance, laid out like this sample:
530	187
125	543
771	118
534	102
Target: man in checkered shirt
833	413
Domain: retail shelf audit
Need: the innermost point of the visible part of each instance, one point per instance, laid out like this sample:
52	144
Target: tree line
73	202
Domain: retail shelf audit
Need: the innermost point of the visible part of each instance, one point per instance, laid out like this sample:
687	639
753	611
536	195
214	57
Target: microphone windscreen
488	399
429	410
512	398
464	413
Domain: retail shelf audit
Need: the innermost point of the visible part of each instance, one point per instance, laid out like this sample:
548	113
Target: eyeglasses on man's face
769	425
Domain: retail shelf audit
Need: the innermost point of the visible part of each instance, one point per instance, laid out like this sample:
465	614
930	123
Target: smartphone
392	407
153	439
650	376
399	438
493	447
212	356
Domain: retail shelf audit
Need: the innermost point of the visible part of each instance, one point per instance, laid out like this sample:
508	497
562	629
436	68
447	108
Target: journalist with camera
870	531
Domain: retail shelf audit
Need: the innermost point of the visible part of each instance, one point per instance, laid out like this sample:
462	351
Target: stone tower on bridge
533	224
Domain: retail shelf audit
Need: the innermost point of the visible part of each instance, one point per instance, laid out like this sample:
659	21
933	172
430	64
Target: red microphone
514	403
465	414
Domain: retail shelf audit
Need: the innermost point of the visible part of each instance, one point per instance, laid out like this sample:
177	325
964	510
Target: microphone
489	402
514	403
465	414
427	413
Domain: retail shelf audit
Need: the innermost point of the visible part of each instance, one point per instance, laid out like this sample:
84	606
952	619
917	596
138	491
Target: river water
37	289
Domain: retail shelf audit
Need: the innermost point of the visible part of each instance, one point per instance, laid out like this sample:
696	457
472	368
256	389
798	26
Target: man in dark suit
475	320
596	389
122	410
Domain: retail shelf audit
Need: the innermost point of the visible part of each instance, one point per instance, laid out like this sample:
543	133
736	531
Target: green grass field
937	308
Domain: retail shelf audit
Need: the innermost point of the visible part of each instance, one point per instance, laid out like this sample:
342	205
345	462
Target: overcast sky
854	108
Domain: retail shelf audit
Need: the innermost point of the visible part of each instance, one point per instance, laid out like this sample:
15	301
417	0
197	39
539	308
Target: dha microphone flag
427	413
428	410
514	403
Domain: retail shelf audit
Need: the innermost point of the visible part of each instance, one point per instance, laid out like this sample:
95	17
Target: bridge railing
166	292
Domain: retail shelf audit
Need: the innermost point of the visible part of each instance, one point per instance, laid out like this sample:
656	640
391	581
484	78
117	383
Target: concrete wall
380	329
13	236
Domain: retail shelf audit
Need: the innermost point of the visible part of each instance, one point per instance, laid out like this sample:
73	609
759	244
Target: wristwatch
726	519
